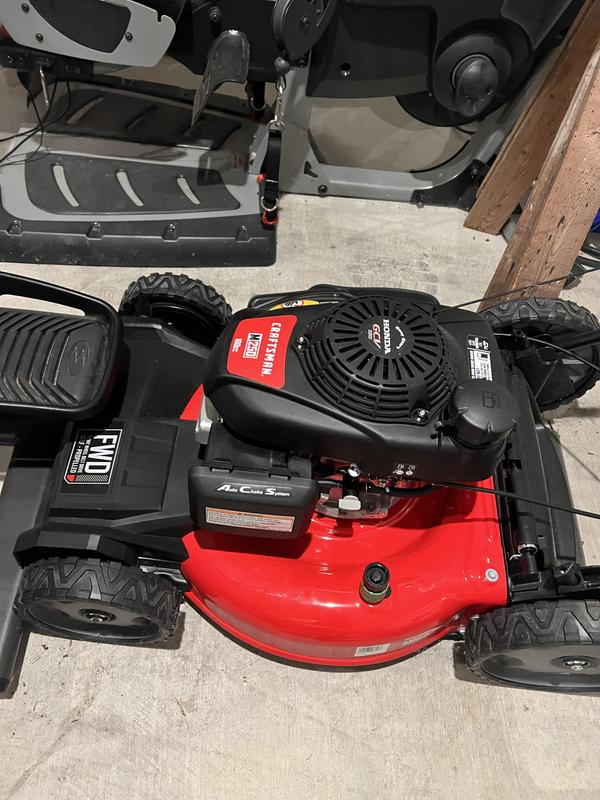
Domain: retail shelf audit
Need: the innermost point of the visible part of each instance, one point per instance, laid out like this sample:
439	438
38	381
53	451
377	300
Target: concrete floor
210	720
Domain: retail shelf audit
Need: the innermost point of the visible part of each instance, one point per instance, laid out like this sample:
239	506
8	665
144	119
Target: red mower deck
299	599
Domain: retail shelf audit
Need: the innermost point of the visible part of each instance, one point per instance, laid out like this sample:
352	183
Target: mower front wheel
544	318
97	601
551	644
190	306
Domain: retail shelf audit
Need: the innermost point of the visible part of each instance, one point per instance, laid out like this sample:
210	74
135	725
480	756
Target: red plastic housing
299	599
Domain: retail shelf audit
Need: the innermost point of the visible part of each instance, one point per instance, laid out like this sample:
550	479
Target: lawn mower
336	477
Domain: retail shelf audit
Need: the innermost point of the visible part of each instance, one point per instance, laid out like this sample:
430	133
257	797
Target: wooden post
562	204
519	162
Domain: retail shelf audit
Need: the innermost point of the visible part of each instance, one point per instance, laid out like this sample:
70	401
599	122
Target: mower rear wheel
551	644
97	601
191	307
544	318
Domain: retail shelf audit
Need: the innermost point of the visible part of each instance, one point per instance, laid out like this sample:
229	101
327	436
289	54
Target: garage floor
207	719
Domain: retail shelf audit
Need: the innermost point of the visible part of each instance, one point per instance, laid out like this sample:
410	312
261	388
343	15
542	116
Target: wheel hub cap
97	617
576	664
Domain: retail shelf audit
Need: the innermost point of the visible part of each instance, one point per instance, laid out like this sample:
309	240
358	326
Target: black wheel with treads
190	306
551	644
556	378
97	601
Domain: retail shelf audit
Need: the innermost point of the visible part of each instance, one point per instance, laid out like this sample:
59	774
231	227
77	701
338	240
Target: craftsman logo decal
93	456
252	348
266	369
258	349
480	358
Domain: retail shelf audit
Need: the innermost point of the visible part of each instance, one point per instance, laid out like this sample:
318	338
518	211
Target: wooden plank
519	162
562	204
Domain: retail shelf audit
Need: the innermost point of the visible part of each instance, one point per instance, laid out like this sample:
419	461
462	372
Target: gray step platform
121	179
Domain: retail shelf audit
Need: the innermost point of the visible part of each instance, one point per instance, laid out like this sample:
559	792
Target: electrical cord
18	135
42	126
26	135
31	101
35	129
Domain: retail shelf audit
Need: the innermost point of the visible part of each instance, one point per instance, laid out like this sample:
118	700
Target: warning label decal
480	358
248	519
93	456
259	348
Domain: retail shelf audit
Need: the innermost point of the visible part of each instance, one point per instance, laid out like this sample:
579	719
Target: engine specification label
247	519
480	358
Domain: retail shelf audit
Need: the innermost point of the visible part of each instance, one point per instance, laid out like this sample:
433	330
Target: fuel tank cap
482	412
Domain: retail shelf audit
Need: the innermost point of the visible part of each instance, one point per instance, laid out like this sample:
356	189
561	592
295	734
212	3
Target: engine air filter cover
380	358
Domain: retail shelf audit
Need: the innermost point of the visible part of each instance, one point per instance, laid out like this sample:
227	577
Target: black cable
430	487
506	293
418	491
570	353
565	351
22	142
32	132
41	128
513	496
592	264
19	134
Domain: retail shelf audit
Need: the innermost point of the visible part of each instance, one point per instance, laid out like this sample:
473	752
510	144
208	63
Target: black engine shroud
388	380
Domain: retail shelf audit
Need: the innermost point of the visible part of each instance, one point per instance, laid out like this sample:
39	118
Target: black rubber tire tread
513	313
546	622
186	291
109	582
